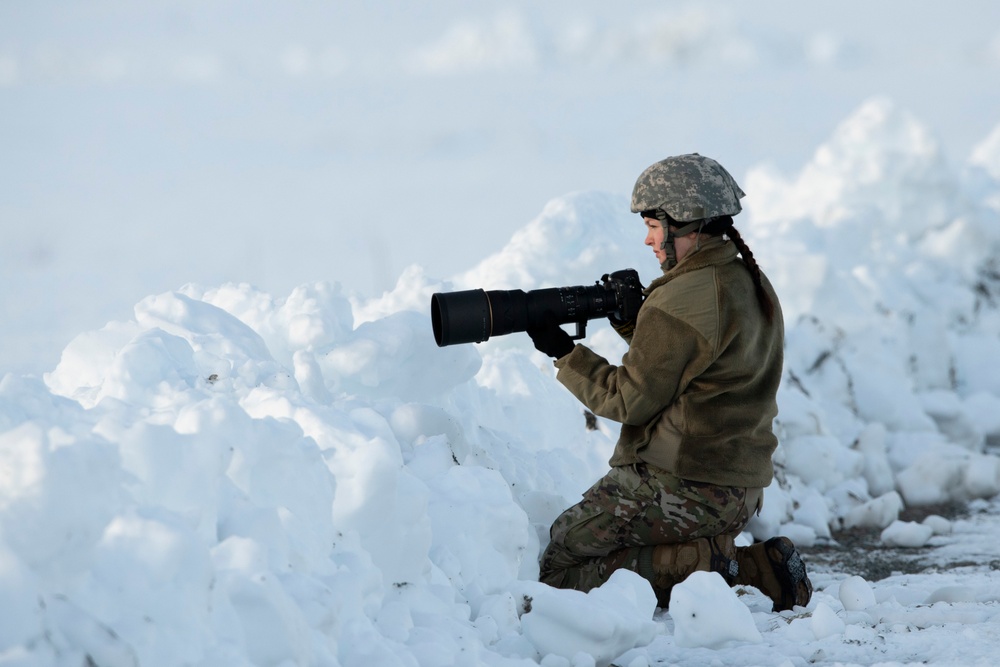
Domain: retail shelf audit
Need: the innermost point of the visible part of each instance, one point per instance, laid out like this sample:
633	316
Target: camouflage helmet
687	187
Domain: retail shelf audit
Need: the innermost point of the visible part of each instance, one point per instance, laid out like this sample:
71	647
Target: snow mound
602	624
707	613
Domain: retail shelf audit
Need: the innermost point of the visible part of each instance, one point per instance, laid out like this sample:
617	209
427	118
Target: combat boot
672	563
776	569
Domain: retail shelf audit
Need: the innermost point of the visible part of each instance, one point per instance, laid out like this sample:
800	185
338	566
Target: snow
595	627
232	474
856	594
906	534
707	613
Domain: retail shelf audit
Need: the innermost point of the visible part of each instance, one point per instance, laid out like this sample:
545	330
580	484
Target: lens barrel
472	316
461	317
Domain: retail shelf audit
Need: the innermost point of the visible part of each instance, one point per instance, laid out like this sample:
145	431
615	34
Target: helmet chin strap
668	246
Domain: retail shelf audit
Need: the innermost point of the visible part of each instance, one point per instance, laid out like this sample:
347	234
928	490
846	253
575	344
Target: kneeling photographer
696	396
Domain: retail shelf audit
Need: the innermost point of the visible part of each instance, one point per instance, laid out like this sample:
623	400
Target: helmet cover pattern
688	187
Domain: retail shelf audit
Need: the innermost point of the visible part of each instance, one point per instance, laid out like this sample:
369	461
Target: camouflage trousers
634	507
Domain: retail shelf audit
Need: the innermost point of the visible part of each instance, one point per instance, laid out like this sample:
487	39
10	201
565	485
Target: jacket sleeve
664	355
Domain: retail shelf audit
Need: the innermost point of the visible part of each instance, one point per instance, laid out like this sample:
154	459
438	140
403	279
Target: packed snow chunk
775	511
212	328
57	494
312	316
497	617
522	388
825	622
151	571
708	614
603	623
84	362
812	511
880	156
875	383
386	505
982	476
180	472
480	535
575	240
804	536
413	291
282	491
947	473
413	422
396	356
935	477
271	625
309	376
77	636
154	369
906	534
315	315
952	418
984	410
821	460
876	513
939	524
927	337
856	594
976	361
907	447
952	594
877	469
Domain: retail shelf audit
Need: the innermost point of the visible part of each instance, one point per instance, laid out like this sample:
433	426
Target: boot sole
790	571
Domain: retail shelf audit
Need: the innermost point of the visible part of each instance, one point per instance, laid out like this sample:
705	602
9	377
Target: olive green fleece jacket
695	393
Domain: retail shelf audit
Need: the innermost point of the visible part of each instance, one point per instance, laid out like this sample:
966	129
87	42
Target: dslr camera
473	316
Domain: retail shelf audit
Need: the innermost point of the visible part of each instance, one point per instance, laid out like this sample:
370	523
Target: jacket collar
710	251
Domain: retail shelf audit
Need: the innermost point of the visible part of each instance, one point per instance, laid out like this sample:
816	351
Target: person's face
655	233
654	237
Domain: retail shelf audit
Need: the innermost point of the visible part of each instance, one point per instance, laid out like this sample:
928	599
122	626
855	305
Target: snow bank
885	258
232	478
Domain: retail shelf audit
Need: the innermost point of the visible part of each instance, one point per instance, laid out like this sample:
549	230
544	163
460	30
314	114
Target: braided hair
723	224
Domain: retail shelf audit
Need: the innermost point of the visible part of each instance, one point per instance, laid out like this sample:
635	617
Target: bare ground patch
860	551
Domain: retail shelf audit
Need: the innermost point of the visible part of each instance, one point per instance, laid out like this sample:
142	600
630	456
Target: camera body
473	316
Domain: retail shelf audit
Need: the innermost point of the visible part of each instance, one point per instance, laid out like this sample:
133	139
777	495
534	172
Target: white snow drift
233	478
